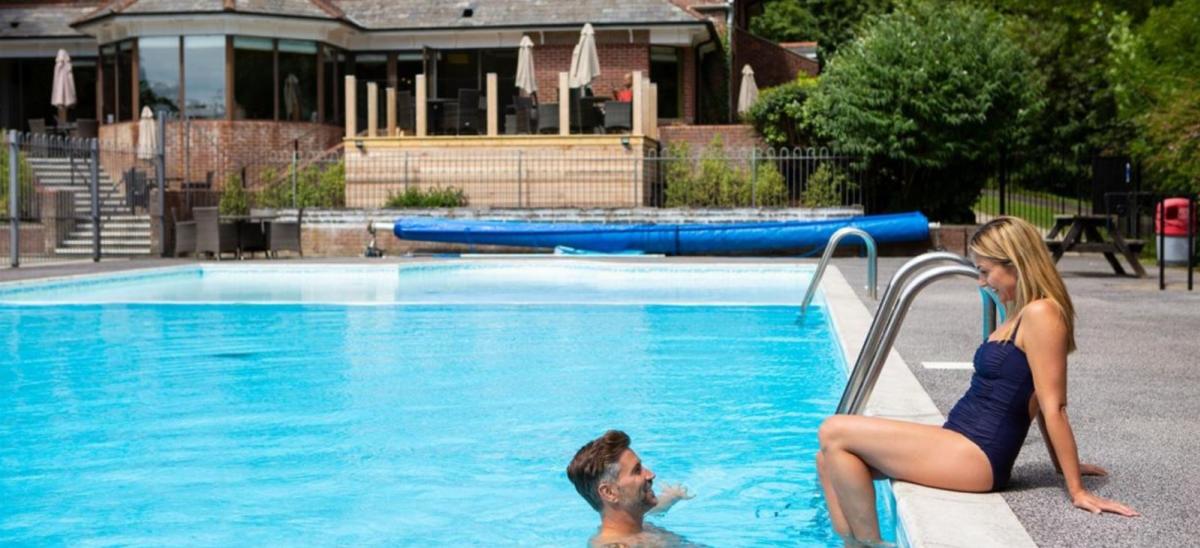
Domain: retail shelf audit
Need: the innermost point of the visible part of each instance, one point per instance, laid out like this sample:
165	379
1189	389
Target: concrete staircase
122	233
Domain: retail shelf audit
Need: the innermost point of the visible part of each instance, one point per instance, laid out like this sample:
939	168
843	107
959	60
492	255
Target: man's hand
669	495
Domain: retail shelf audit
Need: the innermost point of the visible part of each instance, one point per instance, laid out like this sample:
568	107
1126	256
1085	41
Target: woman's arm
1045	343
1084	469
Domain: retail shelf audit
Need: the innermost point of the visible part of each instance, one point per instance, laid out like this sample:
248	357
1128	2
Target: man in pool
611	478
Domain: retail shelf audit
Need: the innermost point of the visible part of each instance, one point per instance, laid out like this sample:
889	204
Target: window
84	72
335	66
204	76
253	78
370	67
108	63
457	69
297	81
504	64
158	73
408	66
124	82
665	72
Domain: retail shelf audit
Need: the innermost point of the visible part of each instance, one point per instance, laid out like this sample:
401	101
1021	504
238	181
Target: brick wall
772	64
733	136
615	61
219	146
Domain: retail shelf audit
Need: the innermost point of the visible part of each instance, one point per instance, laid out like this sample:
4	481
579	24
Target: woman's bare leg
840	525
852	446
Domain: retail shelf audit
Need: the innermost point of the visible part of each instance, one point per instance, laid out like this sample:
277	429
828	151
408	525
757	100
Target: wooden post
391	111
638	104
564	105
421	106
493	115
351	114
652	120
372	109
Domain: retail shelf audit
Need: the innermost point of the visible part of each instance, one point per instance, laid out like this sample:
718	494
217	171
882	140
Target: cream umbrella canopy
525	75
585	62
147	145
62	92
749	91
291	97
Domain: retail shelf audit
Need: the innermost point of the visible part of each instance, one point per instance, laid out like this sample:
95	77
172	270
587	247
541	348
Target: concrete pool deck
1133	389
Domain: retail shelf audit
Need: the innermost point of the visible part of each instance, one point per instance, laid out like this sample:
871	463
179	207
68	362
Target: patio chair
285	235
185	235
463	115
37	125
547	114
137	189
406	112
87	129
520	121
618	116
252	237
213	236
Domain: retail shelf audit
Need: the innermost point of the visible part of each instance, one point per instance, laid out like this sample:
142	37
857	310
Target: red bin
1171	217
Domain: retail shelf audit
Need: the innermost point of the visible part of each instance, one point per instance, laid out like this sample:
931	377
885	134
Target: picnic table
1083	235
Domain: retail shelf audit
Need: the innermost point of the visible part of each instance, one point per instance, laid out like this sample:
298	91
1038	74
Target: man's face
634	487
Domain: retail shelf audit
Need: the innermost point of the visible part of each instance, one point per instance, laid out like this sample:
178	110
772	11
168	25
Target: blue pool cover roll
669	239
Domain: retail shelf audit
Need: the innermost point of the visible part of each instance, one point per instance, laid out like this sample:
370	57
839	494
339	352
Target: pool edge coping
927	516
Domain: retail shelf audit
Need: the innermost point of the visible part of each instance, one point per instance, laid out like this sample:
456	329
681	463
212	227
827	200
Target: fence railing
676	177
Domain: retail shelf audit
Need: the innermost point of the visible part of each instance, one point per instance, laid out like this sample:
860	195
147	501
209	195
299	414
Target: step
86	228
70	242
86	236
115	252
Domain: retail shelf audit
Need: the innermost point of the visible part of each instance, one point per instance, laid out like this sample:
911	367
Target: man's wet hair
597	462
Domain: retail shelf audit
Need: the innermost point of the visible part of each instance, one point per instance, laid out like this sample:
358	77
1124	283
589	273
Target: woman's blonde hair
1015	243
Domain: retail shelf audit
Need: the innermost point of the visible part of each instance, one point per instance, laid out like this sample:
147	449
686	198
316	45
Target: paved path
1134	399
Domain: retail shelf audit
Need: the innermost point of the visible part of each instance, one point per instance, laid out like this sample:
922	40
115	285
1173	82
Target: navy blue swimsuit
994	413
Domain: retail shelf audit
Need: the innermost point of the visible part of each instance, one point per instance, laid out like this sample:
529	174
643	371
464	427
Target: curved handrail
884	311
872	263
858	394
994	312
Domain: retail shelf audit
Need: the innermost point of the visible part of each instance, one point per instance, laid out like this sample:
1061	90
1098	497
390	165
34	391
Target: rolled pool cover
669	239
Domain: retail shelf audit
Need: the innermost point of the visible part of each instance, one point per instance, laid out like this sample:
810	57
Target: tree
778	112
1157	83
830	23
933	95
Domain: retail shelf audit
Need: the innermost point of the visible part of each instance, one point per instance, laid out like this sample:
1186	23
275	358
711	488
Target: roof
422	14
42	20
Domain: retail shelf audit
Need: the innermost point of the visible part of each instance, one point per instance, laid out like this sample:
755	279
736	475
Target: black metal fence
71	199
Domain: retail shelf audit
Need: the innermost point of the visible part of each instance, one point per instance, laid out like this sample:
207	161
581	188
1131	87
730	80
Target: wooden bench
1083	235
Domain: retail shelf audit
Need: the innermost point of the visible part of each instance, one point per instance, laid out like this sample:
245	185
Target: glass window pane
204	76
125	81
370	67
253	79
84	72
664	71
158	73
333	85
503	62
457	69
298	81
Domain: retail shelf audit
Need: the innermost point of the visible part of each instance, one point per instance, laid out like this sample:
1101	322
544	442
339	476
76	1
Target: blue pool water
249	406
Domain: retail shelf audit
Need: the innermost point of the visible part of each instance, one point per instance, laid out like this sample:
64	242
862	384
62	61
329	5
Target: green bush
716	181
825	187
234	198
931	95
778	113
433	197
24	180
315	187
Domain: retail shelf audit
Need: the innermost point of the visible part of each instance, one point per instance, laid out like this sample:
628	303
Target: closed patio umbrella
62	92
585	62
147	145
749	91
525	76
291	97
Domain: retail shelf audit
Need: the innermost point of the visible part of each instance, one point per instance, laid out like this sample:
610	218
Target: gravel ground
1133	387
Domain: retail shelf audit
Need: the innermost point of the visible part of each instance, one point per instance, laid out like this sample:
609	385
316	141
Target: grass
1037	207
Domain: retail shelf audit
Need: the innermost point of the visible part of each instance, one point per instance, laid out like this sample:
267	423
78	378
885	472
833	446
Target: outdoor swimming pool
429	403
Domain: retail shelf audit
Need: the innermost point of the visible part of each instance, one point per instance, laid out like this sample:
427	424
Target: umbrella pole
62	116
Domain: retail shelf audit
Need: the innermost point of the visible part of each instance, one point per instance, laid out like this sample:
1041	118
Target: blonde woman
1020	374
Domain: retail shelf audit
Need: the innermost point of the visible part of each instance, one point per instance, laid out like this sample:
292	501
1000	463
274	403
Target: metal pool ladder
904	286
872	263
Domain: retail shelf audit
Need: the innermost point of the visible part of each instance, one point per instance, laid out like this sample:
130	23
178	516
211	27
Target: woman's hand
1096	504
1089	470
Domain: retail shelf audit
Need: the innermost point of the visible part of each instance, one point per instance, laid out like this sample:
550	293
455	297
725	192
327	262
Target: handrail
993	306
855	396
872	263
883	312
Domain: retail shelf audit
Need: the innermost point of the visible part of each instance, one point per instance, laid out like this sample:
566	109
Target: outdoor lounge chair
213	236
185	236
406	113
618	116
37	125
285	235
547	118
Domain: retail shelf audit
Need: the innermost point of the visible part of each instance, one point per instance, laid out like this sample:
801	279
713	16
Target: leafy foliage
825	187
25	188
932	95
432	197
316	186
831	23
778	112
234	198
715	180
1157	81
